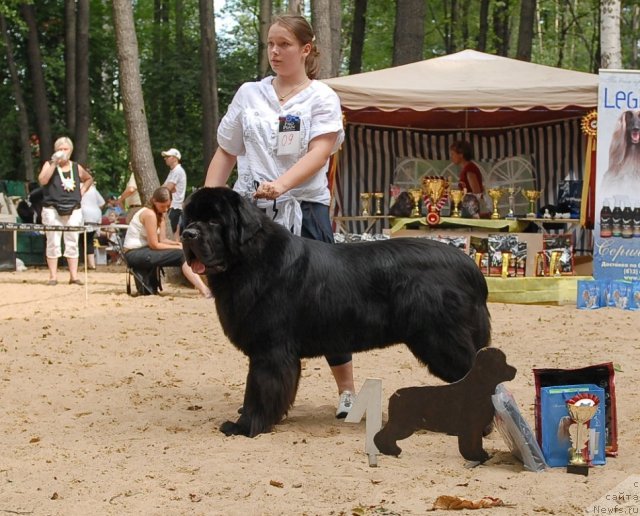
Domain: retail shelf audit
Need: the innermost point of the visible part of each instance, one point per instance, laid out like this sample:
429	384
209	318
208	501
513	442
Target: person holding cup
63	183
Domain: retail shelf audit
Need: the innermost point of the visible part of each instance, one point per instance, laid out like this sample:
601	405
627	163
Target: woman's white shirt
136	236
250	129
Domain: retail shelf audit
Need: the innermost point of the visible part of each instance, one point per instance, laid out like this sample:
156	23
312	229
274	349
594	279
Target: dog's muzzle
189	235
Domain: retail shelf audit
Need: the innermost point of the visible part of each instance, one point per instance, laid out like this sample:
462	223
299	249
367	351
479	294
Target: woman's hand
269	190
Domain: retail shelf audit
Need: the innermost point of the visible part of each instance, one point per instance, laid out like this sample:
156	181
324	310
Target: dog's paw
230	428
386	447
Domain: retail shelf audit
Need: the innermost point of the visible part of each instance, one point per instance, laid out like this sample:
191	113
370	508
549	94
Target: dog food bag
601	375
589	295
558	428
515	430
620	294
634	303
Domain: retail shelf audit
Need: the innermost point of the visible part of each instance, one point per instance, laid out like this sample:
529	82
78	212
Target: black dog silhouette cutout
463	408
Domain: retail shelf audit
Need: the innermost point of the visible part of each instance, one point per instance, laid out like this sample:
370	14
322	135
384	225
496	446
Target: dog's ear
617	148
250	220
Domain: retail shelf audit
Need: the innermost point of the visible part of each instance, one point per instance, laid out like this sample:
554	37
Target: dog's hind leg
272	383
448	354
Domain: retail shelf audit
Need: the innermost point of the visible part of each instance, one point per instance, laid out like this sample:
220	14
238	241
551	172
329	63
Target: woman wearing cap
64	183
284	128
176	182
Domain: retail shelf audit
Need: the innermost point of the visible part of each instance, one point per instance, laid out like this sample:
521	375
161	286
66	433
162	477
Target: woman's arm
148	219
46	172
85	179
220	168
319	152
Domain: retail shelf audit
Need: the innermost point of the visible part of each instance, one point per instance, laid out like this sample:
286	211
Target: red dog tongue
197	266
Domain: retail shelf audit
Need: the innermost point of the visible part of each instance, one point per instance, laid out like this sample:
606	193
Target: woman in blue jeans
281	132
147	247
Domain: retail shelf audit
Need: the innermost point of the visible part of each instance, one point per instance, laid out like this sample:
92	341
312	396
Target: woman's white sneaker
344	404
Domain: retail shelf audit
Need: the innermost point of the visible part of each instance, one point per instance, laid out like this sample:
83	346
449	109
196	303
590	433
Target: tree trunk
295	6
23	119
484	25
209	82
264	20
525	31
450	31
40	103
133	100
320	15
81	143
70	64
501	27
408	35
335	20
611	53
357	37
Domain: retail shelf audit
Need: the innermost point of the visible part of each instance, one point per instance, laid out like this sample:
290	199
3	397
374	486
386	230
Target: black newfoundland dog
281	298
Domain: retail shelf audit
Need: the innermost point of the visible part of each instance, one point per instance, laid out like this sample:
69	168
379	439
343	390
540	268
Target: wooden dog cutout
463	408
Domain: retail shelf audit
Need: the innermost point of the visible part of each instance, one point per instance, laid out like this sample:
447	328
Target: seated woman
147	247
461	154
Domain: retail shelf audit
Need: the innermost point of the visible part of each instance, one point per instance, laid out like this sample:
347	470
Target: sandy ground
111	405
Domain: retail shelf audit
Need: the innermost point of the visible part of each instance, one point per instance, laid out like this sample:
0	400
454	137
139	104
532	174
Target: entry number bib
288	135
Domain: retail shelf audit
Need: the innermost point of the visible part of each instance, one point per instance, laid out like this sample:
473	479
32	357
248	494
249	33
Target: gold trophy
495	194
415	194
456	198
532	196
365	199
581	408
378	196
434	188
512	191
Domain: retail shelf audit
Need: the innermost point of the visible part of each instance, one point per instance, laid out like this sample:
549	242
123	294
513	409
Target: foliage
566	34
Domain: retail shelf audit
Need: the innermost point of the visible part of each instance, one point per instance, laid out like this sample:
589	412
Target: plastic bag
515	431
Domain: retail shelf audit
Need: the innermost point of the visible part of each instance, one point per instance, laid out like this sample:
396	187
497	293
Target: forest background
83	68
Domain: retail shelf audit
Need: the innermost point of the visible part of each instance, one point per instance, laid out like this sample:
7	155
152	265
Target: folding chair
145	286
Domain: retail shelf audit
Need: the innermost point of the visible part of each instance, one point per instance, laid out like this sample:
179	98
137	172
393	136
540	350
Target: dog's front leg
272	383
470	445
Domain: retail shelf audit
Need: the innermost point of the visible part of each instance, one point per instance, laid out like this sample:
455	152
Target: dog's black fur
463	408
280	298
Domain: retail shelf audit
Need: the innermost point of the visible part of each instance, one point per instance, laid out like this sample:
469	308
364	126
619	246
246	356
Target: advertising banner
617	225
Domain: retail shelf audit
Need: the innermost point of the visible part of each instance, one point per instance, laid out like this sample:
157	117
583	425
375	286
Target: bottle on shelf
627	221
606	222
616	219
636	219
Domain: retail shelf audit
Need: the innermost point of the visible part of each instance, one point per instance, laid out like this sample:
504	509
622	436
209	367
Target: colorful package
602	375
559	429
589	295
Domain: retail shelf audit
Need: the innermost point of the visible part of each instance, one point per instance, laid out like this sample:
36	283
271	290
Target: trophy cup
378	196
512	191
456	197
415	194
495	194
581	408
434	189
532	196
365	198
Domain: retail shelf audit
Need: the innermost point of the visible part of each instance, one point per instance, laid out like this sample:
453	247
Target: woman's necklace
68	183
284	96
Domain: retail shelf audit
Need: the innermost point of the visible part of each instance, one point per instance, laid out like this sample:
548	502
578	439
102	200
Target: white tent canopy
467	79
